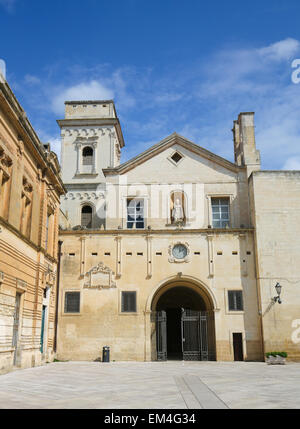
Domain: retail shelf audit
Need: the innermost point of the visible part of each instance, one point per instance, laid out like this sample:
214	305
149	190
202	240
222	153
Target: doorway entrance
238	346
184	326
15	337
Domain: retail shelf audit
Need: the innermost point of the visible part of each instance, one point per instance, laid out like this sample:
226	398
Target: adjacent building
30	190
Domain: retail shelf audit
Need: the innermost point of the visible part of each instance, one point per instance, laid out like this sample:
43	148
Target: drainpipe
57	294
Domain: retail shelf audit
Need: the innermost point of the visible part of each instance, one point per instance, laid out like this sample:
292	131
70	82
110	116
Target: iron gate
197	335
194	335
161	335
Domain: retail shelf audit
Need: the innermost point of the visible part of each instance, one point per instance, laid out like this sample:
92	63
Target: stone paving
153	385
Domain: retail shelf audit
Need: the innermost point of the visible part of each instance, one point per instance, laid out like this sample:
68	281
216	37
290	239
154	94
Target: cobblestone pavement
152	385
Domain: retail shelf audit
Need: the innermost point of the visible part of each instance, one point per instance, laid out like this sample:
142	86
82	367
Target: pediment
172	140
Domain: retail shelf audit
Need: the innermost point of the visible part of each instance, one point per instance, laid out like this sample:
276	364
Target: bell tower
91	140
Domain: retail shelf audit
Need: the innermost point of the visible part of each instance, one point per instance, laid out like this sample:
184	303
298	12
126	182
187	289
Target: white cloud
199	101
32	80
292	164
280	51
92	90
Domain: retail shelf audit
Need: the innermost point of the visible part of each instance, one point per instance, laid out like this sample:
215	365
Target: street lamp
278	290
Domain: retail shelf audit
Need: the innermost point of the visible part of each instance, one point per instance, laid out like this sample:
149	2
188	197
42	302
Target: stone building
176	252
30	189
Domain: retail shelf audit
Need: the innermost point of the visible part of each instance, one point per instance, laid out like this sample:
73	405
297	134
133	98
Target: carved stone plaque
99	277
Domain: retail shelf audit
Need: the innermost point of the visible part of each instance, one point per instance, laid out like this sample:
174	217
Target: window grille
72	302
87	156
235	300
128	302
86	216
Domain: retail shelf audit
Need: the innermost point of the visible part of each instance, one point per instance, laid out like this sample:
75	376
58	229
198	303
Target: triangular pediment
172	140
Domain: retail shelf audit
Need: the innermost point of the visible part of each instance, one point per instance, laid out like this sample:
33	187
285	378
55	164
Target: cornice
118	232
84	122
25	130
30	243
163	145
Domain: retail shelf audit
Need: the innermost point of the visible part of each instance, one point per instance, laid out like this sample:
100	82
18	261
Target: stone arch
188	281
86	208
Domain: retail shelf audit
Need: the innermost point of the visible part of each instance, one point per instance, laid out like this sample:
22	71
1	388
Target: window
72	302
87	155
220	212
128	302
5	181
48	232
176	157
135	213
235	300
86	216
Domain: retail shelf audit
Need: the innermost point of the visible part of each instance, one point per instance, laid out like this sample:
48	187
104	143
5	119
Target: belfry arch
182	321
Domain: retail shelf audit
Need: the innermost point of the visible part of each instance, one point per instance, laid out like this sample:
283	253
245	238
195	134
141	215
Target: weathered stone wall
146	270
275	210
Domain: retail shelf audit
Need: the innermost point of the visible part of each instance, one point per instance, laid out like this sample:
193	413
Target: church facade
175	253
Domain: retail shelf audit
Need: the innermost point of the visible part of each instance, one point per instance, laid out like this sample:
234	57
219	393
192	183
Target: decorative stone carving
5	162
49	276
21	285
99	277
27	187
177	212
85	195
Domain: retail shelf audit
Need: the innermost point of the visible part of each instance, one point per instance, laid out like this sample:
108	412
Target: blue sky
186	66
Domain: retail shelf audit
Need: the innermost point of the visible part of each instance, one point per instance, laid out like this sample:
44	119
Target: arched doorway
184	323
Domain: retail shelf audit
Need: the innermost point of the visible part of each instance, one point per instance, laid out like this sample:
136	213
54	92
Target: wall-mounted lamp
278	290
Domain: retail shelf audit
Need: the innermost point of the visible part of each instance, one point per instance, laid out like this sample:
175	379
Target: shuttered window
128	302
86	216
220	212
235	300
72	302
87	156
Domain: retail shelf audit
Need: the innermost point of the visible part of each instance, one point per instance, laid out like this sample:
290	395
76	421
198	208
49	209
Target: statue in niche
177	212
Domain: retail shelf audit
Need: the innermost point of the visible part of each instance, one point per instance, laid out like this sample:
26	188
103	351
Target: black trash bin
105	354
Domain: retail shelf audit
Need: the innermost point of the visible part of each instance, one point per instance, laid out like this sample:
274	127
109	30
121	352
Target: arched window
87	156
86	216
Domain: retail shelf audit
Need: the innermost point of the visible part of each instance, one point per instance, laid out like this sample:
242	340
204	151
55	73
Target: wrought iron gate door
161	335
195	336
